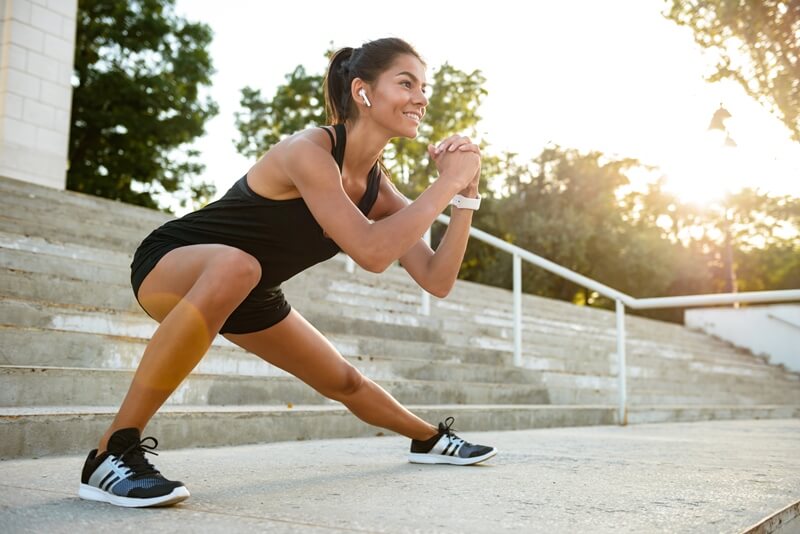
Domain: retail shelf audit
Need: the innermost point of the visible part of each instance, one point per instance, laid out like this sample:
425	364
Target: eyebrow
406	73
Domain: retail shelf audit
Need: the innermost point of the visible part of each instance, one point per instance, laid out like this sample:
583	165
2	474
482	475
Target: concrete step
29	314
376	357
339	291
573	396
36	286
43	431
74	232
678	381
52	214
43	386
80	286
64	250
33	262
32	286
79	349
15	191
48	347
469	297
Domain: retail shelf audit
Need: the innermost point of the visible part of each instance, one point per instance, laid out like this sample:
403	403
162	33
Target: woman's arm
374	246
436	272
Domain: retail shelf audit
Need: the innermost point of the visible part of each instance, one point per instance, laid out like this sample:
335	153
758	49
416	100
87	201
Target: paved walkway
679	477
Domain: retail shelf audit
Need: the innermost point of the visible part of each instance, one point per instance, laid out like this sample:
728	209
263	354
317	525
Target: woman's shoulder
321	136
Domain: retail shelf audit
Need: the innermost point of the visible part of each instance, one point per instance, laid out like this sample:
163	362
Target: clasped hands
456	155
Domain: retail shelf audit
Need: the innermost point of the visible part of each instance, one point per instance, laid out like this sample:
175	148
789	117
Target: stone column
38	48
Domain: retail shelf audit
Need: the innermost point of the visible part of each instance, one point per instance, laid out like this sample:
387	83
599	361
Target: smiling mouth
414	117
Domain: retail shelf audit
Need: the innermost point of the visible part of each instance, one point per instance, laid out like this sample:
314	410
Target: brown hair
367	62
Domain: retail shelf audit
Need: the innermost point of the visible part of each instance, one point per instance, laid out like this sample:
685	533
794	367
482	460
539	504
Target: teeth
412	116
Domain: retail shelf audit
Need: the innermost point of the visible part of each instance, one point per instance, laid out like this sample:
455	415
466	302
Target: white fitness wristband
465	202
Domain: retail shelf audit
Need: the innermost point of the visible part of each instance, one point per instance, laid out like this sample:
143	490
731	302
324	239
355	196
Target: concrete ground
720	476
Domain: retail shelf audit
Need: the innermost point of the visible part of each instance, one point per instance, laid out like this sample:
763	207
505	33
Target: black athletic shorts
263	307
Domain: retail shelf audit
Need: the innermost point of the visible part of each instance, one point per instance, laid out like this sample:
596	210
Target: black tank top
281	234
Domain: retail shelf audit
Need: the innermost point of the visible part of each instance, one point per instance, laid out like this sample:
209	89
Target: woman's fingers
470	147
452	143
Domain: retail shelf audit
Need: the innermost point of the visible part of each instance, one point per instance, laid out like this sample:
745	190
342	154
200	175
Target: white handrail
787	322
621	299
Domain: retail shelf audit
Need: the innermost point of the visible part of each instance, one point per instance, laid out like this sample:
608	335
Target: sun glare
705	170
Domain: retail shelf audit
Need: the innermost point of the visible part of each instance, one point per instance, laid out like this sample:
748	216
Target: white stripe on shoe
428	458
92	493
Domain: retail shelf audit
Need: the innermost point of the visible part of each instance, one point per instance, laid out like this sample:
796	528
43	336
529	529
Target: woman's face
398	97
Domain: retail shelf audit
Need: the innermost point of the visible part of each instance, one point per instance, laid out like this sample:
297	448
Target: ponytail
337	86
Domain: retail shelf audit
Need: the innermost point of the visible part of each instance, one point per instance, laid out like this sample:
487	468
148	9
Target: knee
238	270
348	382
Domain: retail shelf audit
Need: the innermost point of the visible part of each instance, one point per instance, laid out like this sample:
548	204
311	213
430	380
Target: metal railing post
621	366
425	305
517	310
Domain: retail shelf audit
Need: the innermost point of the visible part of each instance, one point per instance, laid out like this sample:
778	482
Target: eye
406	83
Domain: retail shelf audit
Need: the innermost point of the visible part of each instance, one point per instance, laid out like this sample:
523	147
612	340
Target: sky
611	76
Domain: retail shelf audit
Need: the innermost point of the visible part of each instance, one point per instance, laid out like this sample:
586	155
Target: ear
355	87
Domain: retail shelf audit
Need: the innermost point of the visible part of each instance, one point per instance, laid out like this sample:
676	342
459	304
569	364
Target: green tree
566	207
764	236
137	101
757	43
299	104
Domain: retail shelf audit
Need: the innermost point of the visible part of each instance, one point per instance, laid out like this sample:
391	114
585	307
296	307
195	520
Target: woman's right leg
191	292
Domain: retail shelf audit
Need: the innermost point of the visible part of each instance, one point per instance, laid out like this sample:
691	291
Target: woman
219	269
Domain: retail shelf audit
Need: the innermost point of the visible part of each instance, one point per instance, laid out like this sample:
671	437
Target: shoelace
447	426
135	459
447	429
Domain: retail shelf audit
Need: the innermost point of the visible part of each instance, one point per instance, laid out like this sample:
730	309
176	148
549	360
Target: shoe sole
423	458
90	493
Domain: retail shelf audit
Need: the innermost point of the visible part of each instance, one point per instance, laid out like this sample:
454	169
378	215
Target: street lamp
718	123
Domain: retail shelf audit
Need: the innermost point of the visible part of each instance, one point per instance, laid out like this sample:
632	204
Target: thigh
295	346
177	273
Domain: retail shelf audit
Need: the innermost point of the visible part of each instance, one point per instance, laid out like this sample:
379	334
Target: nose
420	98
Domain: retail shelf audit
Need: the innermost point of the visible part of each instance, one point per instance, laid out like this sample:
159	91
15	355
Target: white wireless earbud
363	94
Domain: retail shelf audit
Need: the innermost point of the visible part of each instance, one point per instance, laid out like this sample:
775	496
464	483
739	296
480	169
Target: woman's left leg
297	347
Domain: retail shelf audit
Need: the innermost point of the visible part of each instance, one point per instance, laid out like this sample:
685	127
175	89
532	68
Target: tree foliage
757	43
137	101
296	105
565	206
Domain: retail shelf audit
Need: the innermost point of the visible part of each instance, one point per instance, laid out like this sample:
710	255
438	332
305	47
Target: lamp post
718	123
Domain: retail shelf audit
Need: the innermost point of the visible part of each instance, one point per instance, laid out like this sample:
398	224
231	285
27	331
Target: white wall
38	43
773	331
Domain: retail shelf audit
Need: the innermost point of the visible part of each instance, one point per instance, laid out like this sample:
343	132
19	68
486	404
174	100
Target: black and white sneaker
123	476
447	448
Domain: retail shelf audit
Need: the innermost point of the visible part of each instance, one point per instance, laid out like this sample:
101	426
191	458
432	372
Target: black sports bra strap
374	180
337	149
341	142
333	141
